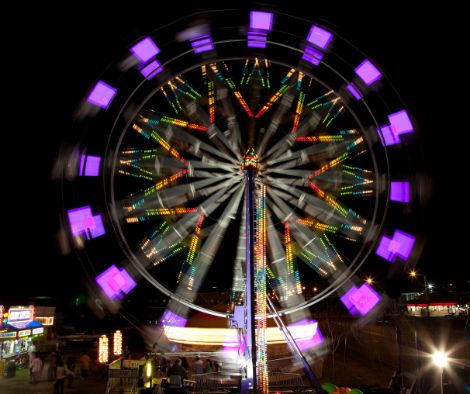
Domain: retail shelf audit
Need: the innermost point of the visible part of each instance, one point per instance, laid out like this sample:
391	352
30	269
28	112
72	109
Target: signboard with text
8	334
20	316
24	333
38	331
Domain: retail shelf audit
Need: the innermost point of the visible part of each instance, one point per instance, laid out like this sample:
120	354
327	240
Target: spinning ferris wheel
257	151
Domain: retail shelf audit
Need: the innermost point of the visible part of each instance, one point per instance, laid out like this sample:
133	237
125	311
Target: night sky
49	62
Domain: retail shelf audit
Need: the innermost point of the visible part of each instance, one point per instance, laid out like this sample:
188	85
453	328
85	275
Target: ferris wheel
239	130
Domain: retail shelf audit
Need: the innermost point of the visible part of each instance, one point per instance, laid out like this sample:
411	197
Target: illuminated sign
24	333
20	314
45	321
38	330
2	310
7	334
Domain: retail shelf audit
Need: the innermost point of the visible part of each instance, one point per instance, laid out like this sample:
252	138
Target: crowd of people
56	370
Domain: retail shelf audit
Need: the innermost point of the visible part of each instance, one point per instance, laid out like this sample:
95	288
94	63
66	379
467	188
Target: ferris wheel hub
250	160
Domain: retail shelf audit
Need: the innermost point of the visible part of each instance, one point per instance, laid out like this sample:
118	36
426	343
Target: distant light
315	289
261	20
430	285
400	191
400	245
413	273
369	280
368	72
440	359
319	37
102	95
354	91
151	69
145	50
214	287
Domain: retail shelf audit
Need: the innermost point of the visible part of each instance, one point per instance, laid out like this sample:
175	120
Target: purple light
312	55
400	245
364	299
354	91
261	20
114	281
172	319
82	221
386	136
319	37
202	44
400	191
306	334
400	123
102	95
346	300
257	40
151	69
90	165
145	50
367	72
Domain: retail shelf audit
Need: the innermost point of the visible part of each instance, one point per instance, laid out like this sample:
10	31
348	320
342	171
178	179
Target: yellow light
220	336
117	343
440	359
315	289
413	273
369	280
103	349
149	369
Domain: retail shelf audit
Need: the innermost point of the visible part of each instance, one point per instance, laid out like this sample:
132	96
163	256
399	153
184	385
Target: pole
442	384
250	275
426	295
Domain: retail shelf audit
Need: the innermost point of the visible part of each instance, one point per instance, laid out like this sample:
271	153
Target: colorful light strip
276	96
165	182
149	213
188	269
231	84
260	287
321	138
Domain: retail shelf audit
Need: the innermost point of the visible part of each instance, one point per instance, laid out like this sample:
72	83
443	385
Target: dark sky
48	63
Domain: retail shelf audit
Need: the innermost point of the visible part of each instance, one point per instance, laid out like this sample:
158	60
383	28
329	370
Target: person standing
60	377
84	365
36	368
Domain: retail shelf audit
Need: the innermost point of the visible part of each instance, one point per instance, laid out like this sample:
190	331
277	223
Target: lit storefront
436	309
17	331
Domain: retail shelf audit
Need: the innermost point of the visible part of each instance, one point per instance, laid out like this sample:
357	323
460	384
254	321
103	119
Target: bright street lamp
441	361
